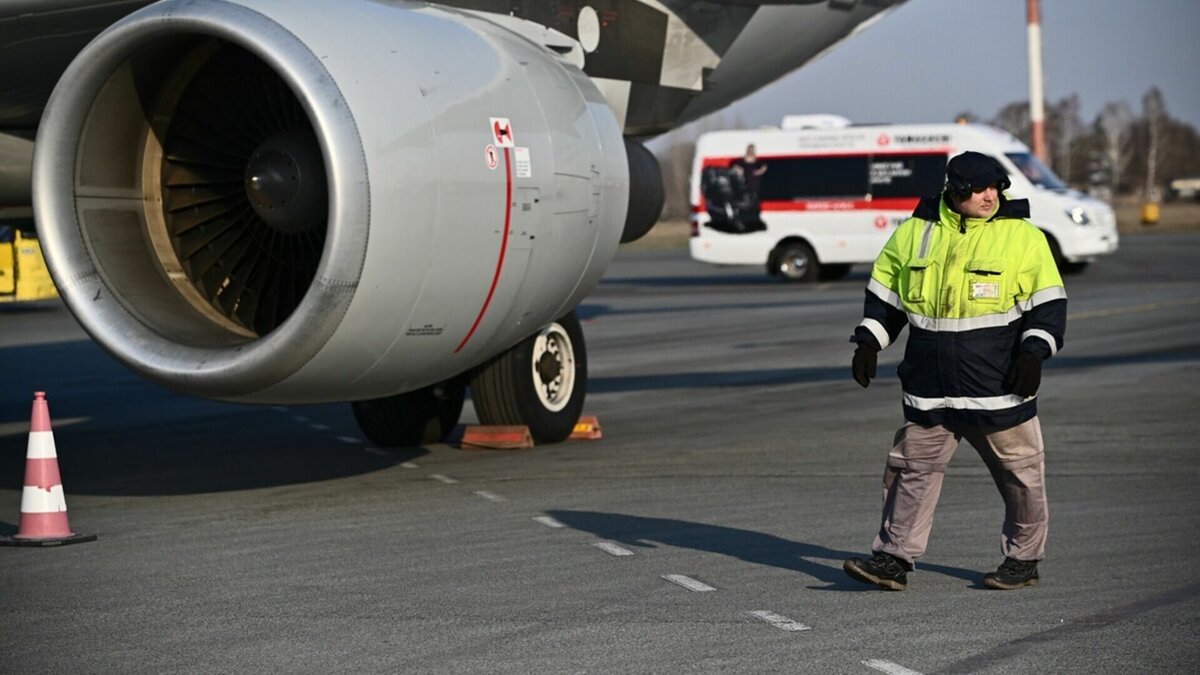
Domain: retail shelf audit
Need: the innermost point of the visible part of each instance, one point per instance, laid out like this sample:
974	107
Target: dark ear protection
957	187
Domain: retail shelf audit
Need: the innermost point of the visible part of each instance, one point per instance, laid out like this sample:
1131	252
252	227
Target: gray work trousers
912	482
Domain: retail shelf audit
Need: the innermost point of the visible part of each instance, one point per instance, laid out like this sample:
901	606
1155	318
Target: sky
931	59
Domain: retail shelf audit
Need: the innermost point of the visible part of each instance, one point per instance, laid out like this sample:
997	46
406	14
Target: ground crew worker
986	306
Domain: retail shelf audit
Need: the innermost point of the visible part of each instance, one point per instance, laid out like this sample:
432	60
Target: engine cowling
283	201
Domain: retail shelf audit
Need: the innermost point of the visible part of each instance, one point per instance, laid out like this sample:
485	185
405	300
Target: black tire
795	261
834	271
541	383
414	418
1055	252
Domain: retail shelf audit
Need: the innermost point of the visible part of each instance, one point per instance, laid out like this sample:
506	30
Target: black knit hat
974	171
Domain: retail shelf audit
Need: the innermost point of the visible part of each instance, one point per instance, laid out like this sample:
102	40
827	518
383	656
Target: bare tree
1155	111
675	161
1014	118
676	152
1114	124
1063	130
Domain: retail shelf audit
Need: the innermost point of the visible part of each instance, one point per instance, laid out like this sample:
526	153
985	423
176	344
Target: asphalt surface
737	453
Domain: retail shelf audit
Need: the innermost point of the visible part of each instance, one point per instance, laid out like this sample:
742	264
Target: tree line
1121	152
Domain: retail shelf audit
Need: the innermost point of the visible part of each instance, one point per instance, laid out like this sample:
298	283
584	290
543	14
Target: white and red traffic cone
43	503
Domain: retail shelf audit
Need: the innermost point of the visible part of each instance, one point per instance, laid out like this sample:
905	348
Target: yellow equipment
23	273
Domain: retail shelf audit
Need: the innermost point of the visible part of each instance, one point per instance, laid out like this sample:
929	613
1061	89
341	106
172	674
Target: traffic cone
43	503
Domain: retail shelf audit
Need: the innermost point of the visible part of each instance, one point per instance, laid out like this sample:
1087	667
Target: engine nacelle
303	201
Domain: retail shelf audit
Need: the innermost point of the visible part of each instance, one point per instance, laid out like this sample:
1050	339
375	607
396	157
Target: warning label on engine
427	330
524	165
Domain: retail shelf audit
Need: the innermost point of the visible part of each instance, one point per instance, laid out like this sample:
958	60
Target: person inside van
985	305
752	171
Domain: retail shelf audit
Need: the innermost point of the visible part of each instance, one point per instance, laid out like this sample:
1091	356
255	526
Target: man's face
981	203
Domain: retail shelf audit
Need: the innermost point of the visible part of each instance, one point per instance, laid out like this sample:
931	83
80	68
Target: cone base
47	541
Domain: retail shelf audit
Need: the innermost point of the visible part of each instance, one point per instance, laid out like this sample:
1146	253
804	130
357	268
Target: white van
832	193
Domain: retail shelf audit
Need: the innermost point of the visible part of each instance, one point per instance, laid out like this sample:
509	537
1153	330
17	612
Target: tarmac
705	532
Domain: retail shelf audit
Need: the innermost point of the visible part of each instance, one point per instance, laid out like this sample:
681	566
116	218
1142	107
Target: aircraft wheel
415	418
541	383
795	261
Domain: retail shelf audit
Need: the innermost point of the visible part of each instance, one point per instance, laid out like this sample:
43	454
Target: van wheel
541	383
833	272
795	261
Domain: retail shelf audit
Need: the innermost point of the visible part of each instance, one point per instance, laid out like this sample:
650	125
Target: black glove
863	366
1026	374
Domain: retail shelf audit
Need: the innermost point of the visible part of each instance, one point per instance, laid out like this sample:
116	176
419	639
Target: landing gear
415	418
541	383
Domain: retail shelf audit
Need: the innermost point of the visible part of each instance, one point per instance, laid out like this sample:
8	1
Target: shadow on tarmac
129	437
752	547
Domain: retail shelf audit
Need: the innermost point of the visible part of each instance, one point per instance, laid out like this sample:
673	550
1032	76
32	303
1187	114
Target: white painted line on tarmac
445	479
611	548
688	583
491	496
548	521
410	465
780	622
349	439
319	427
889	667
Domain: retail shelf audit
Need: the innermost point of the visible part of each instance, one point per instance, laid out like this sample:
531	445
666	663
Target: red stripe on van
884	204
724	162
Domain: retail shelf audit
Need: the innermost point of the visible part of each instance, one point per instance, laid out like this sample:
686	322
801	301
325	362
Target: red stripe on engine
503	248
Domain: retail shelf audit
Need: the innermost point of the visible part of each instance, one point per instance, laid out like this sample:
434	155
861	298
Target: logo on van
883	139
926	138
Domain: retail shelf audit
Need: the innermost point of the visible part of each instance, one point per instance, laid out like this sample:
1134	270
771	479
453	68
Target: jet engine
282	201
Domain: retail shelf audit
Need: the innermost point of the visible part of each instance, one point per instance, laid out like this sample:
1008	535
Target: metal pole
1037	111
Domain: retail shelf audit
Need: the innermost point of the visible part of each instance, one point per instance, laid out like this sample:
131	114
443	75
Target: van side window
907	175
793	178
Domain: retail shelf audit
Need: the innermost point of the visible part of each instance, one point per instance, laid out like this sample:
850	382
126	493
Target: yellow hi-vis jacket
974	291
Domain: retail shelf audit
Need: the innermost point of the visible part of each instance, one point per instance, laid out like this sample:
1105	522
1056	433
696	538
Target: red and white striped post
1037	108
43	502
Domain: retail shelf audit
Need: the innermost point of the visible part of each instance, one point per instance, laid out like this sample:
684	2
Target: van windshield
1039	174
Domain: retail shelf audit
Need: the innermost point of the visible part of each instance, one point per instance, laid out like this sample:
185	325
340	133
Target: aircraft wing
38	39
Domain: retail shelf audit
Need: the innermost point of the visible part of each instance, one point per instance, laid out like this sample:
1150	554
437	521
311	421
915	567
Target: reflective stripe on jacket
974	291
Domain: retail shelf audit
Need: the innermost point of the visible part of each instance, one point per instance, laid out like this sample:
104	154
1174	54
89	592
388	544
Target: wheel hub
552	367
548	367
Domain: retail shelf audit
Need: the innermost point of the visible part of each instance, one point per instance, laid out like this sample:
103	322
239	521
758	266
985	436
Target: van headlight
1078	215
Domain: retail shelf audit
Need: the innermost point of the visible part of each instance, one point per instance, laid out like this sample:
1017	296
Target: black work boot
882	569
1012	574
